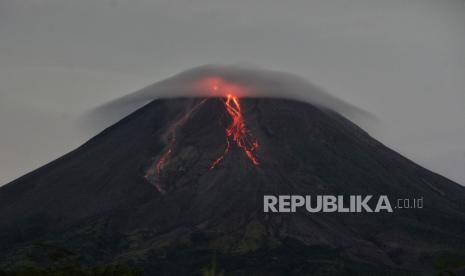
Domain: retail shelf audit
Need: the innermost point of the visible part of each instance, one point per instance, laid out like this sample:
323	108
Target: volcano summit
180	183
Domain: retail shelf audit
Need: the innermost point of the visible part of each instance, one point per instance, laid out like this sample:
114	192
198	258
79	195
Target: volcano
179	185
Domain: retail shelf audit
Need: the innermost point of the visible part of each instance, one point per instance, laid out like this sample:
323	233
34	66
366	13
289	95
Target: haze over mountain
146	192
245	81
402	61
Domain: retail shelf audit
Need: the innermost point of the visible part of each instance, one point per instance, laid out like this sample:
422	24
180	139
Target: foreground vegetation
116	270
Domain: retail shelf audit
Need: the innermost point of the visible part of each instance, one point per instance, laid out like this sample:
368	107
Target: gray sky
401	60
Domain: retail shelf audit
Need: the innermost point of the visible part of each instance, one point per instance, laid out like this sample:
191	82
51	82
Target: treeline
113	270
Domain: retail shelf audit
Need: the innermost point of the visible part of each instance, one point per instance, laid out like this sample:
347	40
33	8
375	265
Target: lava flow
237	132
156	170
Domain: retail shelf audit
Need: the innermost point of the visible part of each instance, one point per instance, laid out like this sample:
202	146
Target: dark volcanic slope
95	202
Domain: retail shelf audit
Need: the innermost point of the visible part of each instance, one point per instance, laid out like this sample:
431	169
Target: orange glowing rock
238	132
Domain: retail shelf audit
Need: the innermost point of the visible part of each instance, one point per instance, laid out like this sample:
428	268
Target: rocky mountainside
179	184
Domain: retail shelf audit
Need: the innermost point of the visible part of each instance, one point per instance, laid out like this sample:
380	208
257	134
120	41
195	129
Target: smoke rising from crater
242	81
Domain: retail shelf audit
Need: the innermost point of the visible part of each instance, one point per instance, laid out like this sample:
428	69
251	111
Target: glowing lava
237	132
154	173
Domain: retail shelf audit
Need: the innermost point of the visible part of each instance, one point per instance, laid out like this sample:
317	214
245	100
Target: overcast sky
401	60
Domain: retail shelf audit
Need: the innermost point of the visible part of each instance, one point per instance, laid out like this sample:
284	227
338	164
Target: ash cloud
220	80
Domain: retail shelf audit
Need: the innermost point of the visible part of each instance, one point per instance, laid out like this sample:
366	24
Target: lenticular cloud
243	82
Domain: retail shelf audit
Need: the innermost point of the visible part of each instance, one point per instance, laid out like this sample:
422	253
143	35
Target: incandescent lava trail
154	173
237	132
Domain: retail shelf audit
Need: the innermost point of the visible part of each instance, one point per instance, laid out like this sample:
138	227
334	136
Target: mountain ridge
97	194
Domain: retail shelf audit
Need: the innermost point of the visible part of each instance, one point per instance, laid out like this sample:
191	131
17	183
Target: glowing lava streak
237	132
157	169
163	159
